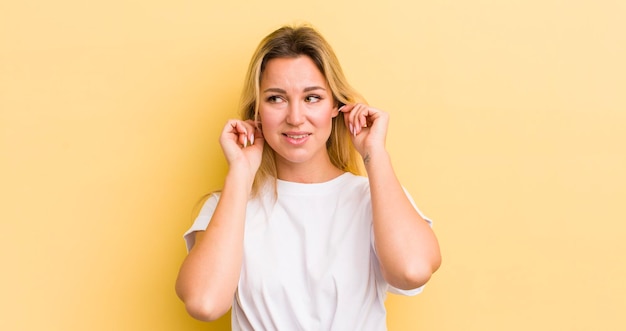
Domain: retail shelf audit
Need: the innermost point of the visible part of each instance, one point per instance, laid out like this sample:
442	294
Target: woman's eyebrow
313	88
306	89
275	90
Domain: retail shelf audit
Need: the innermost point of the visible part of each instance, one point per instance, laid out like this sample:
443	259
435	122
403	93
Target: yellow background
508	127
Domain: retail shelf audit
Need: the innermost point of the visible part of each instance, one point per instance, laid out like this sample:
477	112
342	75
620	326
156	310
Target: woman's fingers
350	111
359	116
242	143
254	131
243	132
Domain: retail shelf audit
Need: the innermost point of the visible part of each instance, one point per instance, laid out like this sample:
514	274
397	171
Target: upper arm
194	237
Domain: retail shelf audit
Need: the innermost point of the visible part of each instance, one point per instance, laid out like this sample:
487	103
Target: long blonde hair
291	42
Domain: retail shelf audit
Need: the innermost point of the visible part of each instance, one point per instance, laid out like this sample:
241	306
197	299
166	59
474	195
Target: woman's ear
337	108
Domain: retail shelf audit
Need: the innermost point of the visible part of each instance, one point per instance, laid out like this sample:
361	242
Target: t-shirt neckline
287	187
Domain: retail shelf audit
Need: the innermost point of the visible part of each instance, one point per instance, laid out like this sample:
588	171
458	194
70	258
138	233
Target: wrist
373	155
240	177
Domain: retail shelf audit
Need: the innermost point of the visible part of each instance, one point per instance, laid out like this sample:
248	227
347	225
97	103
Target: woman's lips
296	138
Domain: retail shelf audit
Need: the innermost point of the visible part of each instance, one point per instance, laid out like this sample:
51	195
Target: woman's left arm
405	243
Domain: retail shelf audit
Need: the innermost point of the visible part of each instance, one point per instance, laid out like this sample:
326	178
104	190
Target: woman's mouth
296	138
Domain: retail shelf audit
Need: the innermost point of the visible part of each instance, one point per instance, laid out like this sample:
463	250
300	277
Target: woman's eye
312	98
275	99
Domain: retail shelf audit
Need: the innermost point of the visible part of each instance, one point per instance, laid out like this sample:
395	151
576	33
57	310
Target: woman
297	240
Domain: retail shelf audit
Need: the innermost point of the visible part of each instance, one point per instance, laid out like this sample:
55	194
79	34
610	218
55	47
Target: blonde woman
298	238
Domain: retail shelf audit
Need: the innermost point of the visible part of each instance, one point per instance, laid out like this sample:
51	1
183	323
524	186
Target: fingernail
252	140
351	128
245	141
340	108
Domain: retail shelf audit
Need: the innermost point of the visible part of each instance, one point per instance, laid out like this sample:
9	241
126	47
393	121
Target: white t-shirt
309	261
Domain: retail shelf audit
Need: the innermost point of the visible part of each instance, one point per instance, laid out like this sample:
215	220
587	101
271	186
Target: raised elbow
416	275
205	310
201	307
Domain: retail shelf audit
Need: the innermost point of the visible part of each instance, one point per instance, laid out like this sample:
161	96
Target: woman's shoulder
355	182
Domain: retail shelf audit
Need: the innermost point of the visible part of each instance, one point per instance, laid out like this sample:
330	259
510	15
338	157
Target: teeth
298	136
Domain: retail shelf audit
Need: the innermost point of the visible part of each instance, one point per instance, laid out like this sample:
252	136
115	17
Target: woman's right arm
208	277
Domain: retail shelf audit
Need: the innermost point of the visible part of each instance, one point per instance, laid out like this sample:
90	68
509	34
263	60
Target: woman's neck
307	172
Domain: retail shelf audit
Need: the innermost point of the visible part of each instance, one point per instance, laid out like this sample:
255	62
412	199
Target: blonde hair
291	42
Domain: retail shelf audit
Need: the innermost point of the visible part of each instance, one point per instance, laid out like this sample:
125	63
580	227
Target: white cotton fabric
309	261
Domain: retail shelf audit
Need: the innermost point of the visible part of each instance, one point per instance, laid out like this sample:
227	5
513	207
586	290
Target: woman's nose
295	115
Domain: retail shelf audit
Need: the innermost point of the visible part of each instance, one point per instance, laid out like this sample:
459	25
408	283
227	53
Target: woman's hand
242	144
368	127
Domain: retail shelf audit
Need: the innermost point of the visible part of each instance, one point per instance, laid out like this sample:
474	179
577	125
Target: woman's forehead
292	73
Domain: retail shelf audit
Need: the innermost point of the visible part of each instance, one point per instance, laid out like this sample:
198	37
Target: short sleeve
430	222
418	290
202	221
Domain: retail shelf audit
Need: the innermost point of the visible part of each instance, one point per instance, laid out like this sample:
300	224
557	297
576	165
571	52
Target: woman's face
296	110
